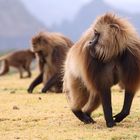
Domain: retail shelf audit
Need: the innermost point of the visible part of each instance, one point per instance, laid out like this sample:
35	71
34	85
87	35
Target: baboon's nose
95	39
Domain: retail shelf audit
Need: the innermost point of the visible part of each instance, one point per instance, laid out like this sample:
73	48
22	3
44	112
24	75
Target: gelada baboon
20	60
51	49
108	53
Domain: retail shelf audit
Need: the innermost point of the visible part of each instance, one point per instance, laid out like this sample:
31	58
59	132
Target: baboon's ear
116	26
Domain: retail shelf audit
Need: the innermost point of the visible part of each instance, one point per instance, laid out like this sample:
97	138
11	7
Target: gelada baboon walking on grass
108	53
20	60
51	49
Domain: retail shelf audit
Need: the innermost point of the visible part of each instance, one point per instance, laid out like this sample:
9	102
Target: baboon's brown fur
20	60
108	53
51	49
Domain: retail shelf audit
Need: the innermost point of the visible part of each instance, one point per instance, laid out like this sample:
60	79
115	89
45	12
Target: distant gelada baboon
20	60
107	54
51	49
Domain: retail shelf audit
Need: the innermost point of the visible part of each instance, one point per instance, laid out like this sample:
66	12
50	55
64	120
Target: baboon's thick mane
55	39
116	36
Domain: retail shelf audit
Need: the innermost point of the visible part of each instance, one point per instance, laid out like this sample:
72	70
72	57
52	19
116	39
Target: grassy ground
38	116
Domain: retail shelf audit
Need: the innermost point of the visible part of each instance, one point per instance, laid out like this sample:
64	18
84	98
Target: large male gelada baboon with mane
51	49
107	54
20	60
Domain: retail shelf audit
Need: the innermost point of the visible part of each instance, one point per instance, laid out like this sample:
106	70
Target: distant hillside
87	14
16	25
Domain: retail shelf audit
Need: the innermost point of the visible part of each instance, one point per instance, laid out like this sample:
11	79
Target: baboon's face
39	44
105	43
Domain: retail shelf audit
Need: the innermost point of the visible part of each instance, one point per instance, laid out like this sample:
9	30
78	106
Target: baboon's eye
44	41
34	45
45	54
96	32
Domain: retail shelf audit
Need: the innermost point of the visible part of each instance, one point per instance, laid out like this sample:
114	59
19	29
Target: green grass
48	116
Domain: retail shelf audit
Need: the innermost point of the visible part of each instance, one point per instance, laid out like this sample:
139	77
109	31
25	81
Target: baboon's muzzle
93	42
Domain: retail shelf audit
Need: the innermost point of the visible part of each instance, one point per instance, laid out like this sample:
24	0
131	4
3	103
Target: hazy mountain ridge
86	16
17	25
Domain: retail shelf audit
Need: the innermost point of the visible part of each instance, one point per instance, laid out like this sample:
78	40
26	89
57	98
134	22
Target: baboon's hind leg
93	103
27	69
5	68
55	80
78	97
126	106
20	69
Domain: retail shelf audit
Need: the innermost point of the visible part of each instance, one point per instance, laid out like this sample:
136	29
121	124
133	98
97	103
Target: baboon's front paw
87	119
88	116
110	124
43	91
29	90
83	117
119	117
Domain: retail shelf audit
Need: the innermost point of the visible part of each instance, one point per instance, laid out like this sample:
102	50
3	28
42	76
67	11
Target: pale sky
128	5
54	11
58	9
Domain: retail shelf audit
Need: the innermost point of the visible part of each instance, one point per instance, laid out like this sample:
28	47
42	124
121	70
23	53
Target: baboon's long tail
5	67
3	57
